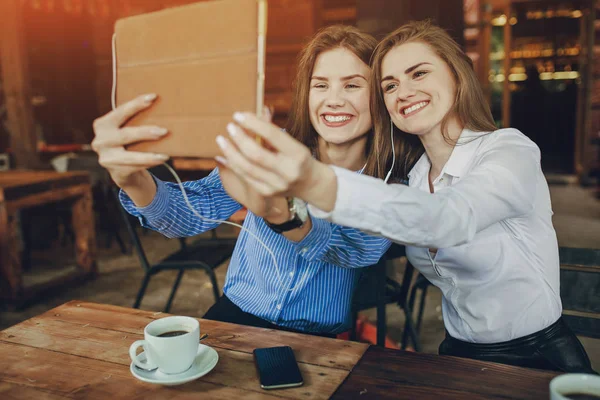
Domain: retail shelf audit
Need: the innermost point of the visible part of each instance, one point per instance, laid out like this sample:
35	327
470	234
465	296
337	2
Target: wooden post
15	77
10	261
85	236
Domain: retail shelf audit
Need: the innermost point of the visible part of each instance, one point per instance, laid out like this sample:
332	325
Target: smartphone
277	368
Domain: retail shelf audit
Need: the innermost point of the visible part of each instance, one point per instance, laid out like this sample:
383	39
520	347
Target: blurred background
538	62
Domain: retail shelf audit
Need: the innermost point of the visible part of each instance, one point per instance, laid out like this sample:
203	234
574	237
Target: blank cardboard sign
204	61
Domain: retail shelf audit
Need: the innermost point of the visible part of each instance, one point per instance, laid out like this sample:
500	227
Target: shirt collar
463	153
461	156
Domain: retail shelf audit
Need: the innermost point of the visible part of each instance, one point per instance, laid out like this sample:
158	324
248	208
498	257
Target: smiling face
418	88
338	100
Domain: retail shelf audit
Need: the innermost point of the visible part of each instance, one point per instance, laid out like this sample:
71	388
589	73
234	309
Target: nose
405	91
335	99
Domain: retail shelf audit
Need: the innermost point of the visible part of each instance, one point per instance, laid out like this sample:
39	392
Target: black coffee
173	333
582	396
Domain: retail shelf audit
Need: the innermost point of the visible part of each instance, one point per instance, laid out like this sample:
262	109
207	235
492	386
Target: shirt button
291	274
278	306
303	251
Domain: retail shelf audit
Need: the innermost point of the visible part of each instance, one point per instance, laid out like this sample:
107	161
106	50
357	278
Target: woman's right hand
127	168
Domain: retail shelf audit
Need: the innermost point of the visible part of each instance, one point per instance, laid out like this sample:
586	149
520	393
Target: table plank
13	391
319	351
68	376
235	368
16	178
101	335
387	374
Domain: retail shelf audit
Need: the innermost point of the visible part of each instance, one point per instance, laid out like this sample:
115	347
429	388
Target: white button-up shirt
490	219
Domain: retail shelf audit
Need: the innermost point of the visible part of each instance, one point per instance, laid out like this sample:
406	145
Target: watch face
300	209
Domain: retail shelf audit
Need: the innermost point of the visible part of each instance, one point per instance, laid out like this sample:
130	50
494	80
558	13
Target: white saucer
205	361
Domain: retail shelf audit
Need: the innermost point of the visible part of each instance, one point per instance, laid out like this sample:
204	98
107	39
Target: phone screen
277	367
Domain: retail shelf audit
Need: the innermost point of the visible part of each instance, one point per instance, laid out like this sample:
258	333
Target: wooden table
80	351
23	189
393	374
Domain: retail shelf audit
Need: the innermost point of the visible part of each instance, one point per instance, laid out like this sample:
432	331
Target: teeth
415	107
336	118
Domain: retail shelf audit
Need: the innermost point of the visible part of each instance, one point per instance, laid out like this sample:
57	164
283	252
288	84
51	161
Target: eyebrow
407	71
344	78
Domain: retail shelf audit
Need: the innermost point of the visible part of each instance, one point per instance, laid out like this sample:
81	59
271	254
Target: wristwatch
298	216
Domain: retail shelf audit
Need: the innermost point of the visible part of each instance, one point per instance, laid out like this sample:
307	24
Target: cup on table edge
563	387
172	353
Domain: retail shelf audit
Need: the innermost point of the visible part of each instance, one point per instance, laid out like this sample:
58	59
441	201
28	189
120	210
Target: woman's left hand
289	169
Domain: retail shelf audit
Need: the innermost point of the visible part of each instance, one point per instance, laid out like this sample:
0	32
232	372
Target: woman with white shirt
476	216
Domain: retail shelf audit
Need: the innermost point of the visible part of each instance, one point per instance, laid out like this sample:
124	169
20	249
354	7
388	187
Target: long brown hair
470	105
348	37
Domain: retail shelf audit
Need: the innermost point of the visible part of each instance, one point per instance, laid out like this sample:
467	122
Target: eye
352	86
320	86
389	87
420	74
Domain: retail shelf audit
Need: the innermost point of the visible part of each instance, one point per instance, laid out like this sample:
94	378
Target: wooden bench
23	189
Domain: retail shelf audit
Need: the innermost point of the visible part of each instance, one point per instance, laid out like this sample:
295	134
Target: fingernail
221	142
159	131
239	117
161	156
149	98
221	160
231	129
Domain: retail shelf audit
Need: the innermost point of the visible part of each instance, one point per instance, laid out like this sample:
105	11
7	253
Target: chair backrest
580	289
135	239
374	279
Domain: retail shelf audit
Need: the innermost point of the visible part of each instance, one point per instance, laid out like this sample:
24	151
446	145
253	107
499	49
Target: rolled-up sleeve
343	246
171	215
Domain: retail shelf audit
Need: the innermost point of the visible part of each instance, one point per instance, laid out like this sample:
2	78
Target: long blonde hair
470	105
347	37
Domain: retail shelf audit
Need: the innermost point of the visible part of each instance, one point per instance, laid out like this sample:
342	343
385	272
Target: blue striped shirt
322	268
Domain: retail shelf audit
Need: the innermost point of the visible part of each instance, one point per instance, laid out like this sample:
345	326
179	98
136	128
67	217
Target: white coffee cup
564	385
170	354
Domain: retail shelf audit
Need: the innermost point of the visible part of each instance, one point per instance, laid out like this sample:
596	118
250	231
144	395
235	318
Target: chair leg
174	290
421	307
353	328
215	285
409	327
142	290
122	245
409	323
381	315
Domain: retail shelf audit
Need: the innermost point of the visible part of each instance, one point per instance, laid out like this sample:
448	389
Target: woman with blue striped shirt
309	283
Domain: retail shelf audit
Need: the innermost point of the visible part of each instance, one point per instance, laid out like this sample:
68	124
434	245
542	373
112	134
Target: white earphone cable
393	151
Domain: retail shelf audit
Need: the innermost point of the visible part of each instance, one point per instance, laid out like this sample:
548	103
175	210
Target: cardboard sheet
204	62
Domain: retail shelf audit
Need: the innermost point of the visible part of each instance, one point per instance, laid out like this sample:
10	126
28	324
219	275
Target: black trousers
554	348
226	311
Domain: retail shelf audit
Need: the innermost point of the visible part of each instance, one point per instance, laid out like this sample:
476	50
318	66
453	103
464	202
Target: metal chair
376	290
580	290
202	255
421	283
